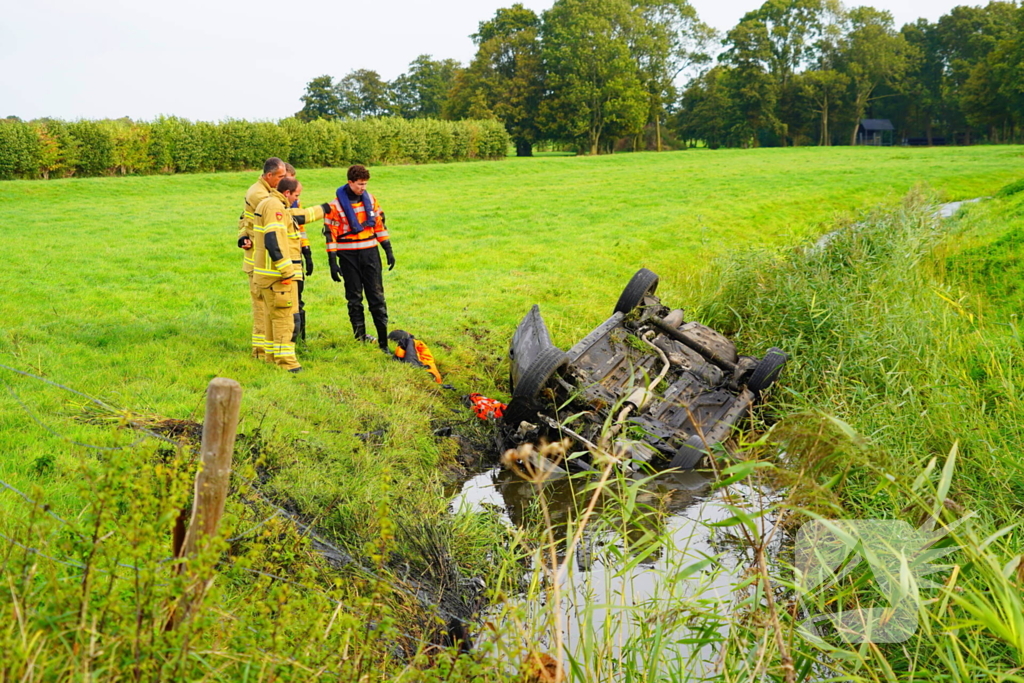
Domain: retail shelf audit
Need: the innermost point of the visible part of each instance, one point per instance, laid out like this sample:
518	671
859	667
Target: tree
873	54
923	86
422	91
706	110
504	80
362	93
1009	55
780	38
966	36
320	100
825	89
753	90
783	34
594	94
666	38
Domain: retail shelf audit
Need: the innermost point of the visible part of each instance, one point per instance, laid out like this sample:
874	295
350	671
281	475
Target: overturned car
644	385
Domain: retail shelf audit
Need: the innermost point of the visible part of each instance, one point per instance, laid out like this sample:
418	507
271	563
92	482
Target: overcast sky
210	60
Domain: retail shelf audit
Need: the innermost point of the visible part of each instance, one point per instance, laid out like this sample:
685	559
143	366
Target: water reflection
622	565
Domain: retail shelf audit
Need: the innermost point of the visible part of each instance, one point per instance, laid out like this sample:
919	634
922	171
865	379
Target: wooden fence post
220	426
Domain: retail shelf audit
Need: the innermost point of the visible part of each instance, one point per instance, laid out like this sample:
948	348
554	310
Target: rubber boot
382	338
302	323
359	330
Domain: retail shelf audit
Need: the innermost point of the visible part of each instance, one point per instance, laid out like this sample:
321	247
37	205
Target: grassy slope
989	257
905	329
132	291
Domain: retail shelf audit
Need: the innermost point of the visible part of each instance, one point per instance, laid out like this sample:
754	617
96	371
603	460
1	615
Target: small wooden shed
876	132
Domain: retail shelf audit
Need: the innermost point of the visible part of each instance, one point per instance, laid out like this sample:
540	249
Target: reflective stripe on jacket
272	216
336	227
258	192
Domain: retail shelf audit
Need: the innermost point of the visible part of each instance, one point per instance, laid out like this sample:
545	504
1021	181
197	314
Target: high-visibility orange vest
339	235
486	408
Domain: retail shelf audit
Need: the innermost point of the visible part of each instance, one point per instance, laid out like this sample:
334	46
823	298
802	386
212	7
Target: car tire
643	282
541	370
689	454
767	370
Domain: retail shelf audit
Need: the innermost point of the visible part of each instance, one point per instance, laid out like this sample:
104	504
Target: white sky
210	60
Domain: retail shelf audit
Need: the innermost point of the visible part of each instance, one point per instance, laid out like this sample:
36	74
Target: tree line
51	148
601	75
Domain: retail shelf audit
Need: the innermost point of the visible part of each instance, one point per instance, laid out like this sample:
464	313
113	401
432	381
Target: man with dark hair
354	226
274	170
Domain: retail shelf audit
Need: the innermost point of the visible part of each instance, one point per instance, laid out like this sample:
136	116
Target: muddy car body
645	384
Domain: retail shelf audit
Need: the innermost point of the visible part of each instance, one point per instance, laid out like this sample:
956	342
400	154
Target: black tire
541	370
767	370
518	410
643	282
689	454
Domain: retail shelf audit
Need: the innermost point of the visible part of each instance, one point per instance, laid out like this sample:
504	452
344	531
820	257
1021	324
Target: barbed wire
70	563
36	551
146	432
326	548
42	506
347	559
253	528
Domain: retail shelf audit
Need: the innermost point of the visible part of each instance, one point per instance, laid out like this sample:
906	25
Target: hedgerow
48	148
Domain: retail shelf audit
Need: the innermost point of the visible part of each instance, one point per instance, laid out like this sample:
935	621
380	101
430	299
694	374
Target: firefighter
275	241
412	350
354	227
306	254
274	170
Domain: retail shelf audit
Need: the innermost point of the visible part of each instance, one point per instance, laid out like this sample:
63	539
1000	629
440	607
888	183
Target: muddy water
610	574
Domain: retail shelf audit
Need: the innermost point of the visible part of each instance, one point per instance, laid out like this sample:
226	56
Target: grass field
133	293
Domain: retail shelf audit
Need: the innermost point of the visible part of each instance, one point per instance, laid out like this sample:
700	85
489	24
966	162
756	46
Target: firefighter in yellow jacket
275	241
274	170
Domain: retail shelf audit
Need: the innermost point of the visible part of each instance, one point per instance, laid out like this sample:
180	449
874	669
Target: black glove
389	253
307	254
332	259
326	207
244	242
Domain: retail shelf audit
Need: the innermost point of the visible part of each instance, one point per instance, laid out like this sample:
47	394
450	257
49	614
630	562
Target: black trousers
362	273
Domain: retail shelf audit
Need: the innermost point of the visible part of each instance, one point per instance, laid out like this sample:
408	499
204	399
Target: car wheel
767	370
643	282
540	372
689	454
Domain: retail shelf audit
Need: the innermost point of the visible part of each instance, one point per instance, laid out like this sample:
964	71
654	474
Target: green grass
133	292
905	356
989	257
